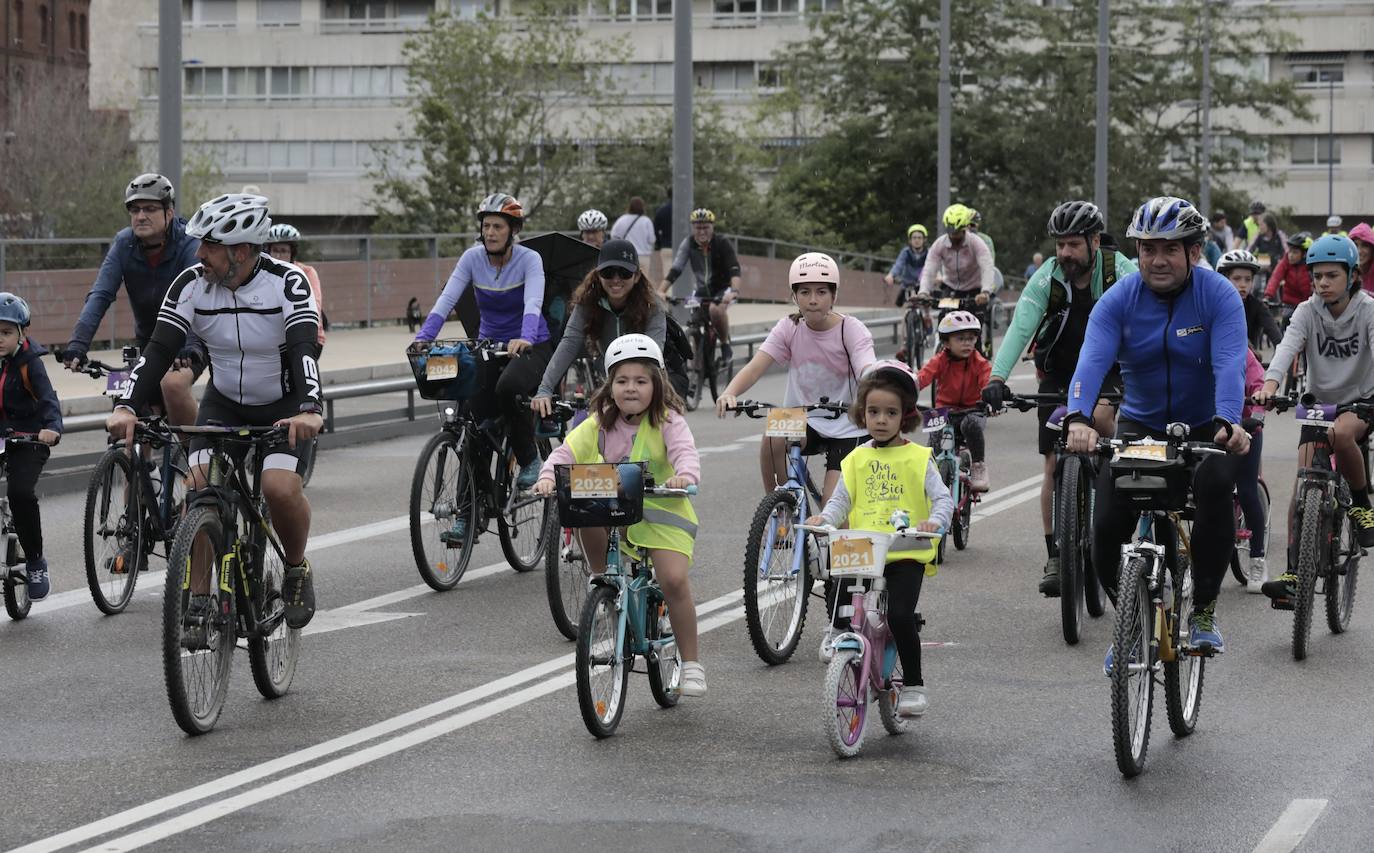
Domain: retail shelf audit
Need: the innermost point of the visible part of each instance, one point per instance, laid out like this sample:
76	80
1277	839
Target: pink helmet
959	321
896	371
814	268
1363	233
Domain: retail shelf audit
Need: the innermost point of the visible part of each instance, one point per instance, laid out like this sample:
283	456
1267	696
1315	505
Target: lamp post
1330	142
169	90
1205	178
942	157
682	124
1103	109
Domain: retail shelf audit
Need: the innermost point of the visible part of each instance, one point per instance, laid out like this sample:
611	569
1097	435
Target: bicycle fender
849	641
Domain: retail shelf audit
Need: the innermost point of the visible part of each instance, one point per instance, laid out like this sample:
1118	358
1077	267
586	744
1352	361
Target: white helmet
591	220
632	346
959	321
814	268
896	371
232	219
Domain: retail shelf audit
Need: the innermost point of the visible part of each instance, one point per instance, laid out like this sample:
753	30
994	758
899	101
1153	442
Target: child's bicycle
625	614
1244	535
777	573
13	574
953	461
866	664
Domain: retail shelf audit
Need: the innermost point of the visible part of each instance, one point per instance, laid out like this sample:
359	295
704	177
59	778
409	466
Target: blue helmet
1168	218
14	310
1334	249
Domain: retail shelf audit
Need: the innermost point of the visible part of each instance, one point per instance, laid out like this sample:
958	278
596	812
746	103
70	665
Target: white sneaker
978	476
693	678
1257	576
827	649
914	701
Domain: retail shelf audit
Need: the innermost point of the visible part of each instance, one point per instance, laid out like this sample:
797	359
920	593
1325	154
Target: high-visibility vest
883	479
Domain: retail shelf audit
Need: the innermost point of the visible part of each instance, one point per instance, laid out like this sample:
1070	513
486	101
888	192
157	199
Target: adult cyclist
976	226
716	267
905	274
283	243
963	266
1053	312
1178	332
145	258
258	320
591	227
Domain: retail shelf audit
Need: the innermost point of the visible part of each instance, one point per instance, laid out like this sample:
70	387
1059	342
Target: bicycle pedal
1281	603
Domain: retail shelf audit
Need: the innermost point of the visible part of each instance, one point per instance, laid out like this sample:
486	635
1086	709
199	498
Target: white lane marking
1008	503
719	448
1288	831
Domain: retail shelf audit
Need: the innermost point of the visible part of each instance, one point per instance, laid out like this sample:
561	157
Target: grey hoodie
1339	350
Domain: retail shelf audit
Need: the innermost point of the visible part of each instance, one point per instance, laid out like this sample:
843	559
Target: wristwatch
311	408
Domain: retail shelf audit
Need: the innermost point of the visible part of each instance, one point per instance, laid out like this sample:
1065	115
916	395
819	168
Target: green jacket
1046	285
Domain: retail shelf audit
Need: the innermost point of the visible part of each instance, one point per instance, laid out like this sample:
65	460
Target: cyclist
1290	280
509	284
1240	268
283	243
1333	226
959	372
976	226
1269	242
591	225
1363	237
1178	333
965	265
905	274
1335	329
145	258
1249	226
716	267
258	320
1053	313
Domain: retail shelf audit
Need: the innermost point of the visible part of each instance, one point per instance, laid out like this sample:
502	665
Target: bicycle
953	461
950	300
14	576
1154	592
1243	533
778	576
226	546
704	369
451	485
565	565
916	325
1324	548
625	614
866	663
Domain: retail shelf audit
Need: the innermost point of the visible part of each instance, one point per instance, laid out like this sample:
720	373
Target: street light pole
942	156
1205	179
1103	109
682	122
1330	144
169	90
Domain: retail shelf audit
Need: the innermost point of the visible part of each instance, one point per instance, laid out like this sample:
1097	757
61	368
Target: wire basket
447	370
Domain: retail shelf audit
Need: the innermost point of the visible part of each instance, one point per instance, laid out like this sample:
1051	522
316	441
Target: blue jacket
32	406
1182	356
147	286
907	268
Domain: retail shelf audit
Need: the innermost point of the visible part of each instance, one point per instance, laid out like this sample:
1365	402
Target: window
43	26
1315	73
275	13
85	35
214	12
247	82
19	21
287	82
71	31
1314	150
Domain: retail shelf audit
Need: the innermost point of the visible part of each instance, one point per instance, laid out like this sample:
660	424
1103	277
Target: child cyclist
1240	268
885	474
960	371
1335	329
637	417
28	404
825	353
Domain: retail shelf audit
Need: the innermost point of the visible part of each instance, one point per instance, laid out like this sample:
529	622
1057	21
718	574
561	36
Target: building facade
41	42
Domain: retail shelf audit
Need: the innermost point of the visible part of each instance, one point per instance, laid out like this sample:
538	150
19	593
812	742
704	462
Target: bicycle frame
868	631
796	479
636	591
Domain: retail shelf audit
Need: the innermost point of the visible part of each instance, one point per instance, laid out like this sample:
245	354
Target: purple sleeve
457	283
534	297
682	448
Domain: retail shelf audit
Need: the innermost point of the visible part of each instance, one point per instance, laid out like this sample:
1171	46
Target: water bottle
900	519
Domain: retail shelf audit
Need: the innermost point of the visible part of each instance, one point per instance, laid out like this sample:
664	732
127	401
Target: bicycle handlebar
758	410
91	367
9	435
1026	402
904	533
477	345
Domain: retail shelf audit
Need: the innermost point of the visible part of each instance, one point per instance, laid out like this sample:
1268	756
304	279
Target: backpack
1047	334
677	354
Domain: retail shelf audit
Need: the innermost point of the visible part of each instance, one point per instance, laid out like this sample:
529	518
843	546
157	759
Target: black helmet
1076	217
1257	207
1301	240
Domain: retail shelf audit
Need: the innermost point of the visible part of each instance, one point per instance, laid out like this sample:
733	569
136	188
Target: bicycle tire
964	510
272	658
601	709
914	339
710	367
665	669
1312	528
760	615
1094	598
893	722
1134	627
17	601
565	580
1341	582
441	566
845	699
112	590
308	455
696	374
1072	534
946	470
1237	560
1184	675
197	684
539	519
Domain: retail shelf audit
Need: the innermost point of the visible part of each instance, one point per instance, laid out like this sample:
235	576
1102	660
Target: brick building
41	42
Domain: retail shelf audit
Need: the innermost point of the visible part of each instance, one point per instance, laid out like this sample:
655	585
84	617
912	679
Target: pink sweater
617	442
1254	380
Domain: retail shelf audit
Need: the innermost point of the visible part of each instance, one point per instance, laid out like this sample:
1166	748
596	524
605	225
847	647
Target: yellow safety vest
668	522
883	479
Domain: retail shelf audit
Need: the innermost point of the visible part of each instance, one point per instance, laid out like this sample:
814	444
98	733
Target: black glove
192	356
995	394
75	352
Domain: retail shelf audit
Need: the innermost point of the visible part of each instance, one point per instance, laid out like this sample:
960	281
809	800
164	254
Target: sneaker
1363	519
727	354
529	474
1282	588
1257	576
1204	632
38	579
914	701
978	476
827	649
693	678
1049	584
196	623
298	592
454	536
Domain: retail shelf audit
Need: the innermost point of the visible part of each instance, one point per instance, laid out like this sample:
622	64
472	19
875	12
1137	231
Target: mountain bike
457	489
224	579
707	367
624	615
14	577
778	574
953	461
916	325
866	664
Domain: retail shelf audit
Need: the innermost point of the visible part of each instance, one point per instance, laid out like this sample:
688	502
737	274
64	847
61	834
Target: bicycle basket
448	371
858	553
603	495
1159	482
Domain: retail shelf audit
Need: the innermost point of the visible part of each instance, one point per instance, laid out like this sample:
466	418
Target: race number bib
852	556
786	423
949	302
117	384
1155	452
593	481
441	367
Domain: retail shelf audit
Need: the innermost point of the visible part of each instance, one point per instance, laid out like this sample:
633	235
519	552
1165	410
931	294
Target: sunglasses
616	272
146	209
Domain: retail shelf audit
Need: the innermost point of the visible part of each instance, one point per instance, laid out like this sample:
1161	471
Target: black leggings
23	464
1214	530
904	579
509	379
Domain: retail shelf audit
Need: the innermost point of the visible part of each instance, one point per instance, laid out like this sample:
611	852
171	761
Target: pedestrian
638	229
1221	233
663	235
1036	260
413	318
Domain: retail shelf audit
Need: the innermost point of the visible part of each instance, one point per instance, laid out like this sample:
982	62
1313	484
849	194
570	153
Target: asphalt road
426	721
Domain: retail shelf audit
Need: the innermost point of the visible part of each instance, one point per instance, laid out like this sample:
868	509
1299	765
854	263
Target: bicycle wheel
913	339
1132	678
1072	527
775	597
887	700
565	580
964	510
195	664
1183	675
113	531
664	662
17	602
603	667
696	374
1313	533
947	476
1340	582
527	522
710	366
442	493
1239	553
272	655
845	699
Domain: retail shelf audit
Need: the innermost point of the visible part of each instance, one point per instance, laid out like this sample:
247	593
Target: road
427	721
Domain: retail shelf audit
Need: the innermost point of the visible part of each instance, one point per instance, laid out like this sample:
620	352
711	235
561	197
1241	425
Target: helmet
918	227
702	214
1300	240
1168	218
1076	218
150	187
591	220
977	220
283	233
958	321
505	205
957	216
1237	259
896	371
1333	222
1257	207
1335	249
1363	233
14	310
632	346
814	268
232	219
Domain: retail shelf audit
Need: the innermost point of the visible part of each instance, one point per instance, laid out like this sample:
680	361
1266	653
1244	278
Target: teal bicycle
625	614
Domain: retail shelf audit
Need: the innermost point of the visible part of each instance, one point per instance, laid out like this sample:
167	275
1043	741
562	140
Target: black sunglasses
616	272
